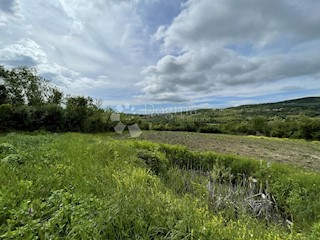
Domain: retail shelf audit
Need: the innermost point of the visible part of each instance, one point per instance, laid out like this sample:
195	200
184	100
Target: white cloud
111	49
24	52
28	52
74	43
212	47
257	22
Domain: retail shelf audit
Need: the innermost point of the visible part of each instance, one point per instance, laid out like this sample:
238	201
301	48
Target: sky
161	54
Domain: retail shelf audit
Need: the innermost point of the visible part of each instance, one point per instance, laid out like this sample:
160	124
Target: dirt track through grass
296	152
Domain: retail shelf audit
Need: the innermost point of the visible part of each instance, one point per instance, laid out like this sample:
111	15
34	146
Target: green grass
77	186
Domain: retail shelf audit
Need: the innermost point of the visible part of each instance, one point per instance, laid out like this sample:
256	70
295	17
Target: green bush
210	129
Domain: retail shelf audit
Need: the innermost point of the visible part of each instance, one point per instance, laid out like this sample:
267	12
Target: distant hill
309	106
309	102
298	118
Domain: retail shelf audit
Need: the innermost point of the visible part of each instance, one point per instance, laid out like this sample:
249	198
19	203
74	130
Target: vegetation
298	118
28	103
76	186
297	152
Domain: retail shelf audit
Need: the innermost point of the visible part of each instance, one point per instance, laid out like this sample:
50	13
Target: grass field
80	186
296	152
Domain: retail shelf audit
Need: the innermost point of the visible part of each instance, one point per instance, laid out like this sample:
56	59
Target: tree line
29	102
297	127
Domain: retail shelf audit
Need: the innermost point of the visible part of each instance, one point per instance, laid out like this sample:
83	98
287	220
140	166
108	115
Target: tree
259	125
55	97
13	86
23	86
77	110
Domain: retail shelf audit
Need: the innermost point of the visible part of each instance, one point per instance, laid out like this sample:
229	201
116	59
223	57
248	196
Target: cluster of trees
28	103
291	127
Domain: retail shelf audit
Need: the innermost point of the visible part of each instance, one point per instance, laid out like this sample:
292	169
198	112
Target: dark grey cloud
8	6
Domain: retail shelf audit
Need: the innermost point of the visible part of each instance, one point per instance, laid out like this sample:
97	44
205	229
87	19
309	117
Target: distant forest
29	102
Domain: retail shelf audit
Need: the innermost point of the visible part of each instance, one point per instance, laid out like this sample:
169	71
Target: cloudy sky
203	53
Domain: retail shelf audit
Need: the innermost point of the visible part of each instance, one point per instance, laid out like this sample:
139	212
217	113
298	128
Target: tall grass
296	192
76	186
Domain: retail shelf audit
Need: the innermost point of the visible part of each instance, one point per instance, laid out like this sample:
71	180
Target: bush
6	118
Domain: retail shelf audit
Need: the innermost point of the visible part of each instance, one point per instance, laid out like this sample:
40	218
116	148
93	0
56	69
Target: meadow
94	186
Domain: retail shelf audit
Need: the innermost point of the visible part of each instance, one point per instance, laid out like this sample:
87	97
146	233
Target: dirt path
297	152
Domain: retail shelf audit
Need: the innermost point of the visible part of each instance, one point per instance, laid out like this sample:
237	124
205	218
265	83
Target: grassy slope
295	106
76	186
296	152
307	106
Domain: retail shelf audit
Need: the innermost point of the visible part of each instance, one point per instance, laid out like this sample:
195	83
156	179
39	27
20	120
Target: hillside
296	118
307	106
304	106
299	102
